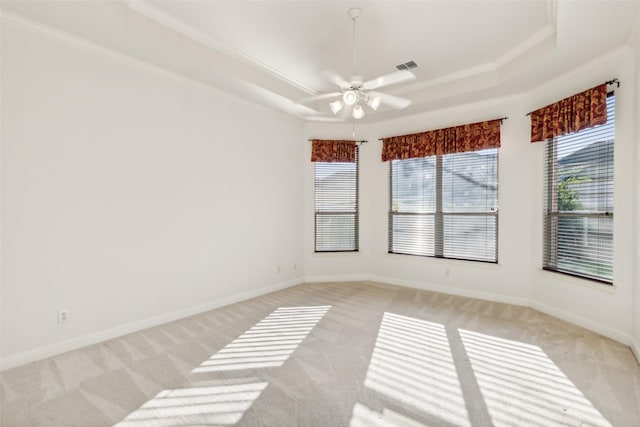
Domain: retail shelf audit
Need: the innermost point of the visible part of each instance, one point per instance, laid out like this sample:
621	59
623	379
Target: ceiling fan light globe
336	106
350	97
358	112
374	102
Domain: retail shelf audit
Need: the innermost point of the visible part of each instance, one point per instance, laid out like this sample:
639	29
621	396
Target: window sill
336	253
580	281
447	261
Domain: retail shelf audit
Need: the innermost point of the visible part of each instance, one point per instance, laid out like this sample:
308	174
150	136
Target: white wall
518	277
636	260
131	194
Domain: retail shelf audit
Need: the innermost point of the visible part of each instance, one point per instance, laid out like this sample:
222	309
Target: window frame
439	214
551	212
356	213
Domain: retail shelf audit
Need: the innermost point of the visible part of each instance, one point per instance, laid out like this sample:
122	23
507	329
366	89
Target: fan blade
392	100
336	79
321	96
389	79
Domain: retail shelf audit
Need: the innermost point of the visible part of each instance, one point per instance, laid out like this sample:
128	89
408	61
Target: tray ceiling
273	53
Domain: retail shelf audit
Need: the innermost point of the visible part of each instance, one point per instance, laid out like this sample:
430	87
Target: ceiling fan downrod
352	94
354	14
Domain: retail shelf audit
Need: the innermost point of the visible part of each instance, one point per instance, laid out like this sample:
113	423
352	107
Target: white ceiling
274	53
300	39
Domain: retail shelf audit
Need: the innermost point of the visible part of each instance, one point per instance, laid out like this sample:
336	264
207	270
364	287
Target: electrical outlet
295	266
278	269
63	315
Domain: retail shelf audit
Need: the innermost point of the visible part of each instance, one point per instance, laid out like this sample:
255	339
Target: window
336	215
445	206
578	211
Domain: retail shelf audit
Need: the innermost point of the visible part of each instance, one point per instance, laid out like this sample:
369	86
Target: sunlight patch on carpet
269	343
521	385
219	403
224	401
412	364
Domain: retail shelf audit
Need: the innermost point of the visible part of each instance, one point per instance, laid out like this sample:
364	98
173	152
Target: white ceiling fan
355	92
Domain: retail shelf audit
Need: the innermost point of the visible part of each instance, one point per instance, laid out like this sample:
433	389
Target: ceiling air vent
407	66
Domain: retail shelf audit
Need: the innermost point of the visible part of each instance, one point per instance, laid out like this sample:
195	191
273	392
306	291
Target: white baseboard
337	278
43	352
612	333
39	353
453	290
606	331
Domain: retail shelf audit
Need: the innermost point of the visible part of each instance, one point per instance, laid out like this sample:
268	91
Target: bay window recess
578	196
578	182
444	192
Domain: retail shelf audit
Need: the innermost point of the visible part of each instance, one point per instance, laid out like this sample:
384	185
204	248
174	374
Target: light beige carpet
340	354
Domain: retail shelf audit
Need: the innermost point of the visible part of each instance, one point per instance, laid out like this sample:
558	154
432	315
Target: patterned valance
333	150
458	139
583	110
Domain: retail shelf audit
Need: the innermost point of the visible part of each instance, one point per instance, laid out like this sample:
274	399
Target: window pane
470	237
336	187
470	181
413	234
585	176
413	185
335	232
585	246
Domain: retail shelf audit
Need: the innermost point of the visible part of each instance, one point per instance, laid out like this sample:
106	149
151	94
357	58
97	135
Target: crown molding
552	13
543	34
476	70
152	12
582	69
461	109
635	349
529	43
87	45
634	36
275	103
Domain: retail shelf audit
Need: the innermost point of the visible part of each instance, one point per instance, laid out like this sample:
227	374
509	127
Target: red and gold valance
458	139
333	150
583	110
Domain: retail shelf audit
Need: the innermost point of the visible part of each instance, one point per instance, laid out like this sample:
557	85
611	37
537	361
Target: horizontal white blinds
578	210
445	206
336	206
